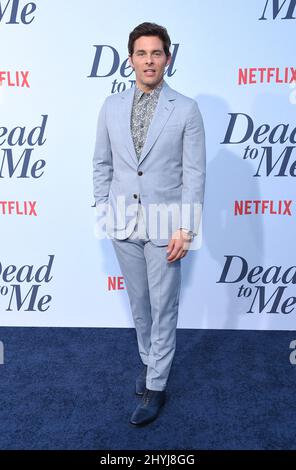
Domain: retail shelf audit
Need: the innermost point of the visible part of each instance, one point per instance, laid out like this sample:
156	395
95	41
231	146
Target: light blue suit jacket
170	170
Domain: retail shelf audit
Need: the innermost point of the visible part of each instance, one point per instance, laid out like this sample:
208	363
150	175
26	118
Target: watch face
189	234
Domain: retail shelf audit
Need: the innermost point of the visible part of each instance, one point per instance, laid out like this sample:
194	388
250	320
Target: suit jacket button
140	173
135	196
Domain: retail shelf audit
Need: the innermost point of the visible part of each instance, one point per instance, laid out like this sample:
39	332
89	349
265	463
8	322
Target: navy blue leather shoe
149	408
141	382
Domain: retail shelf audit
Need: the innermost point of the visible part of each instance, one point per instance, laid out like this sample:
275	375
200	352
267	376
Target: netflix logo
261	207
18	208
253	76
14	79
115	283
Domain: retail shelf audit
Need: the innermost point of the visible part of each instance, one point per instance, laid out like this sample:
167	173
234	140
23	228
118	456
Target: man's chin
150	81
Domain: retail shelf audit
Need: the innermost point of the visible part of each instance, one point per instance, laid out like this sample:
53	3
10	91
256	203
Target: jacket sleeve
194	170
102	159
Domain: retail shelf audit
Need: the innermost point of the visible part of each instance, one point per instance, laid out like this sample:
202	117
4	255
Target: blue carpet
73	388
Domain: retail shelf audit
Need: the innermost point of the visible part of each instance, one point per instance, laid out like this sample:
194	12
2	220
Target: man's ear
169	58
130	61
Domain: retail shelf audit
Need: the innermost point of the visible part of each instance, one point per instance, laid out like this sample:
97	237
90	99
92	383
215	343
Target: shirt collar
139	93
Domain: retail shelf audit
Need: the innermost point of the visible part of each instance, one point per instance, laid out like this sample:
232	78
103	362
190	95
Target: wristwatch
189	232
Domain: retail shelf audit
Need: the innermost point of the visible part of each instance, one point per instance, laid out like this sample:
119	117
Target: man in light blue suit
149	176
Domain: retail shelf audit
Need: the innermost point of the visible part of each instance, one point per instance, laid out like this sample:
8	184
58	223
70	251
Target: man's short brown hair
149	29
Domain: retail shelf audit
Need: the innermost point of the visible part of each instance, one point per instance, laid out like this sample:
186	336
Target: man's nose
149	59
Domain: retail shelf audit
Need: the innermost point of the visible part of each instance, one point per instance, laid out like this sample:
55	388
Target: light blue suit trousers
153	286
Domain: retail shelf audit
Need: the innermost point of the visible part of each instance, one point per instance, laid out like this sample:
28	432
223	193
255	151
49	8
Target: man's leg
130	255
164	281
153	285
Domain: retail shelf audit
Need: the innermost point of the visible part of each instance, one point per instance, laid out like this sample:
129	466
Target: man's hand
178	245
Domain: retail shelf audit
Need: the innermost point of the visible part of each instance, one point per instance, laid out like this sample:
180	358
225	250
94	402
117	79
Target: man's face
149	62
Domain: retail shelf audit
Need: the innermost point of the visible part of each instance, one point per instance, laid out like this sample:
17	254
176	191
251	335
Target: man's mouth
149	71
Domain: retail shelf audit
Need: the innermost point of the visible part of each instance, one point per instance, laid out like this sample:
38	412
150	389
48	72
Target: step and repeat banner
59	59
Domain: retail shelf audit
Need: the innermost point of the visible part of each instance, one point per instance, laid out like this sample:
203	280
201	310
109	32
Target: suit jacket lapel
126	111
161	114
